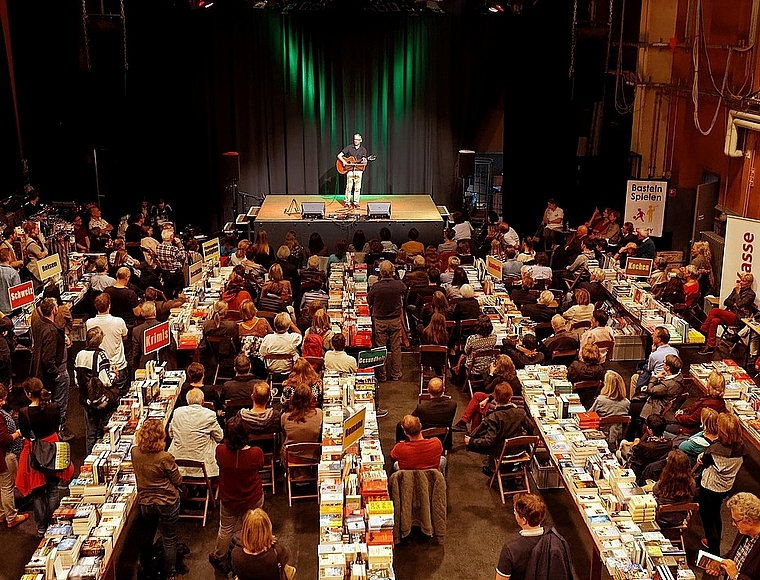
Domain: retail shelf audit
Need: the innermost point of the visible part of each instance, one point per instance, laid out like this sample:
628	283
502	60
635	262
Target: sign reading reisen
21	294
156	338
645	205
49	267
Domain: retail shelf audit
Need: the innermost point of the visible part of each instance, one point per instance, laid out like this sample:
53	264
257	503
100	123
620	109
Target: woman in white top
581	311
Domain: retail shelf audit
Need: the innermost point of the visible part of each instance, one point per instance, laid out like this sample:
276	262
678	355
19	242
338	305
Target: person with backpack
537	553
97	395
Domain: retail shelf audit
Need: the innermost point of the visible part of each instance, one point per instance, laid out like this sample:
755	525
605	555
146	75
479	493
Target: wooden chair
606	344
203	482
571	283
432	360
623	420
214	344
316	362
513	463
581	324
587	391
270	444
564	357
484	352
463	329
676	403
442	433
543	330
676	534
232	408
305	458
275	379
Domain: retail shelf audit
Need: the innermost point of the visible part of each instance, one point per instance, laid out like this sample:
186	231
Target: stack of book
643	508
87	568
67	550
85	519
43	558
588	420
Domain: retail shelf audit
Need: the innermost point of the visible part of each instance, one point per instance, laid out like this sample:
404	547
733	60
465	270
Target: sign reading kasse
156	338
21	294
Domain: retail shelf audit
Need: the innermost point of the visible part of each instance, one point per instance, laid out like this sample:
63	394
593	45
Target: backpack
99	397
312	345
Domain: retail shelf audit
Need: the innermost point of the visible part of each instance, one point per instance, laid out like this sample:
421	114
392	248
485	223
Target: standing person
114	334
385	303
161	213
8	277
739	304
97	411
551	223
125	305
721	462
7	346
97	221
519	558
9	240
34	250
259	556
743	559
355	169
158	481
239	487
81	235
171	256
41	419
11	443
49	358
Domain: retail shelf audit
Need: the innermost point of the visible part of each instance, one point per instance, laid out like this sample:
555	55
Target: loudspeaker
465	163
229	167
312	210
379	210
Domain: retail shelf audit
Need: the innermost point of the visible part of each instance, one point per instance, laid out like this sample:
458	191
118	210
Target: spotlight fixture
495	8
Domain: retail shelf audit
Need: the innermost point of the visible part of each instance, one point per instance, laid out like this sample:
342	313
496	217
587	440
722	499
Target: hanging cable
86	36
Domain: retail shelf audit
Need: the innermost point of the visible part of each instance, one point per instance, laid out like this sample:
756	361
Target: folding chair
214	344
305	458
198	482
587	391
232	408
676	533
564	357
316	362
513	463
432	360
270	444
443	433
623	420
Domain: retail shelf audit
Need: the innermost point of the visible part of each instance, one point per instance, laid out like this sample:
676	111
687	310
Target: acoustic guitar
349	164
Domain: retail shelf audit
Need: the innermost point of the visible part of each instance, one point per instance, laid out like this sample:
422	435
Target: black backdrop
287	91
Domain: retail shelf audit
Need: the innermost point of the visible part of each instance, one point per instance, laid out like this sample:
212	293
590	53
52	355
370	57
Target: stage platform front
407	211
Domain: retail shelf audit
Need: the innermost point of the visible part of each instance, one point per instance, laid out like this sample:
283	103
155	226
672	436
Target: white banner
645	205
742	237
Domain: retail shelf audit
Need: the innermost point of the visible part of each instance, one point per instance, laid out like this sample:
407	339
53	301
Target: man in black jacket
239	390
503	422
561	339
438	411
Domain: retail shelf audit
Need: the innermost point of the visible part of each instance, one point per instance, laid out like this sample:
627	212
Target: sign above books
211	249
49	267
494	267
21	294
156	337
638	267
353	429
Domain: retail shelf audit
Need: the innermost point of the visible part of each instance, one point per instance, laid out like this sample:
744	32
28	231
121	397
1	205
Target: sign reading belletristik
645	205
156	338
21	294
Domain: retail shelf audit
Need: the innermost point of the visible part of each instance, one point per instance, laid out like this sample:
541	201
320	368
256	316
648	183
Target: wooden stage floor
407	211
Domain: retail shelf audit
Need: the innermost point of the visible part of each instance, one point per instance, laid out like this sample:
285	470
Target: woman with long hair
41	419
239	486
339	256
302	374
612	401
721	462
238	257
697	443
158	481
263	252
219	325
296	249
316	246
439	303
527	253
320	327
459	279
702	260
675	485
276	284
582	310
432	259
359	242
251	323
436	332
236	290
259	556
302	422
689	420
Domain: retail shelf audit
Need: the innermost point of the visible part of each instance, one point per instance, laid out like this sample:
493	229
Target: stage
407	211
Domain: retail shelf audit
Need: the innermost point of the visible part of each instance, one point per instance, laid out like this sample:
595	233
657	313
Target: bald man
438	411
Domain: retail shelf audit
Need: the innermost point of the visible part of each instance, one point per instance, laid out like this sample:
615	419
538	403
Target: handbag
287	572
50	457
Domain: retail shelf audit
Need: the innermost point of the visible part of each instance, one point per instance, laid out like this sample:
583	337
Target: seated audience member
466	307
525	352
289	267
317	247
423	293
302	422
337	359
599	332
302	374
482	338
587	367
581	311
448	245
432	258
512	267
660	274
524	294
675	485
418	275
663	388
413	246
277	285
195	377
540	271
251	323
502	371
612	401
492	246
561	339
702	260
438	304
447	276
359	242
516	555
691	291
742	561
416	452
338	256
400	263
454	289
239	486
656	360
672	292
509	235
282	342
580	263
312	278
462	227
527	253
541	311
239	256
739	304
438	411
261	251
697	443
261	419
627	235
385	240
318	336
689	419
219	325
646	247
238	390
435	333
237	289
374	256
651	447
195	433
594	286
506	420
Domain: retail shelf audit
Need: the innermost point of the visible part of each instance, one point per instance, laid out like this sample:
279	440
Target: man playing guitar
352	161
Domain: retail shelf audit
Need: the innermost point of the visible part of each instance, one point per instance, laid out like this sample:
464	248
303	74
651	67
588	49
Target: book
708	561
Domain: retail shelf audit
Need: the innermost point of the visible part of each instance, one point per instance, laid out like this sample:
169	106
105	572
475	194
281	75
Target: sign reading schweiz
21	294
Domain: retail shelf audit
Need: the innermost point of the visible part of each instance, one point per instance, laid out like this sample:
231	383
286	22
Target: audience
438	411
599	332
689	419
338	359
739	304
675	485
238	390
612	401
302	422
282	342
581	311
587	367
697	443
561	339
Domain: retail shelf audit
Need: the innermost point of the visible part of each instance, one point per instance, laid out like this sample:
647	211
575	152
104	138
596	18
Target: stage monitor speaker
378	210
465	163
229	168
313	210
